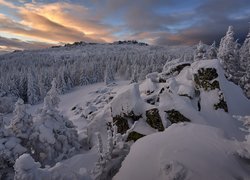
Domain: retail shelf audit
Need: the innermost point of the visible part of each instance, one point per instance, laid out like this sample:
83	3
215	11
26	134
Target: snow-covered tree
228	54
10	150
32	90
245	53
110	160
28	74
212	51
134	78
21	123
245	65
200	52
27	169
53	94
54	137
109	75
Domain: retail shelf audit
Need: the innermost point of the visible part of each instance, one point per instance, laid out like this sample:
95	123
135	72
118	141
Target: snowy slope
184	151
206	146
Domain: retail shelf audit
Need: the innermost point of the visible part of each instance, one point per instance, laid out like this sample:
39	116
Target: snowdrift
184	151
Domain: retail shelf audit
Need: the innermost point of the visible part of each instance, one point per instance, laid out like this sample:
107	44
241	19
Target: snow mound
183	151
128	101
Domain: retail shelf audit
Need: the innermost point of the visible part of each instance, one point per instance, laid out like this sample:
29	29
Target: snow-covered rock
183	151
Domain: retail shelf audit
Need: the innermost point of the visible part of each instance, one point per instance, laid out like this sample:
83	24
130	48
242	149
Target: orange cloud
55	23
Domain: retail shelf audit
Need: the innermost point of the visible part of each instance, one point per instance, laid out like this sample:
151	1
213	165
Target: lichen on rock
176	117
154	119
134	136
222	103
132	116
177	69
121	123
206	79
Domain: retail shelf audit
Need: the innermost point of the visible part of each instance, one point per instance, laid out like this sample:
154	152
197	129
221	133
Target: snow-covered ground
81	98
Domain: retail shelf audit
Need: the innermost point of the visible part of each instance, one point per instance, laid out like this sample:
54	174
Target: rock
132	116
121	123
176	117
154	119
221	104
179	68
134	136
206	79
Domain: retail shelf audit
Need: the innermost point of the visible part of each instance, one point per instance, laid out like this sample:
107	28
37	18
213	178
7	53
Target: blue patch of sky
178	26
182	7
243	14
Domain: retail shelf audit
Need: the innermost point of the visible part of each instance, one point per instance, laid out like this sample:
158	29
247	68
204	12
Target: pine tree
245	65
212	51
200	52
21	124
54	137
134	78
109	75
228	54
54	95
10	150
245	53
33	90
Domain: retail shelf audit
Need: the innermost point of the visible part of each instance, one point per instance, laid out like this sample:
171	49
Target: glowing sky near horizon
31	24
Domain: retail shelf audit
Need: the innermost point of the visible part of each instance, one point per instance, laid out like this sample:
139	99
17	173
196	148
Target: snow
211	146
186	151
46	135
25	162
148	86
237	103
127	101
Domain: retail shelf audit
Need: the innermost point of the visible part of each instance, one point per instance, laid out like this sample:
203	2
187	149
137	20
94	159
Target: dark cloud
12	43
201	20
208	22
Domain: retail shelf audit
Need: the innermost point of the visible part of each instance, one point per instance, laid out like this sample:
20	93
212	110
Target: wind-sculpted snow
181	152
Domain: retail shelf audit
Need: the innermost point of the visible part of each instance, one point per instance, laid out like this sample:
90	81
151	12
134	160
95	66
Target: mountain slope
181	119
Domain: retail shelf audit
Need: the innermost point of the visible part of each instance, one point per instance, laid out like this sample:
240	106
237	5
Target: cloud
10	44
55	22
164	22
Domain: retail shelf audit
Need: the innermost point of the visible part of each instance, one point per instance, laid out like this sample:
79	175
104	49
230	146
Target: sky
34	24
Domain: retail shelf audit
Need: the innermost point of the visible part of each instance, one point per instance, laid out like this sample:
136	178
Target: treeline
28	74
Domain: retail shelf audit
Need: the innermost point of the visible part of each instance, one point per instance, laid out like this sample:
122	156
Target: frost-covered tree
134	78
21	124
228	54
32	90
212	51
10	150
227	45
27	169
200	52
61	81
53	94
110	160
54	137
78	65
245	53
245	81
109	75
